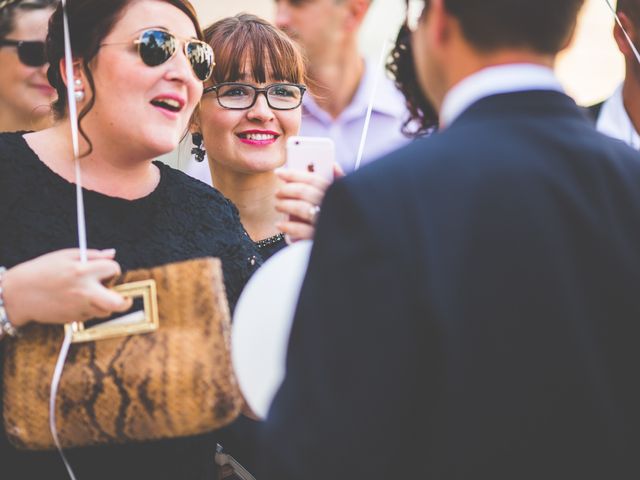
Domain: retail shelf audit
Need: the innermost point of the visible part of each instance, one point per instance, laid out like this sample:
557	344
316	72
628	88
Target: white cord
626	35
55	383
82	236
374	92
365	130
73	120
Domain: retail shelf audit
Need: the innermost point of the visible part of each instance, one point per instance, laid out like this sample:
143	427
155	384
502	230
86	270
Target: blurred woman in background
25	92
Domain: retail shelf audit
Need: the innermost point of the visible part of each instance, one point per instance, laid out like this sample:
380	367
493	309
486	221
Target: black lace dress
181	219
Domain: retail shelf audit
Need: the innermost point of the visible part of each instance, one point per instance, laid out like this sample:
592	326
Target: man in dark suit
472	304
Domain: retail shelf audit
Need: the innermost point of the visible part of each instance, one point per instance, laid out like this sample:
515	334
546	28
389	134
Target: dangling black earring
198	151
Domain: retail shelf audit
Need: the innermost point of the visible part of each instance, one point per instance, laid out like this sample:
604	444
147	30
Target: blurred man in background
341	81
619	115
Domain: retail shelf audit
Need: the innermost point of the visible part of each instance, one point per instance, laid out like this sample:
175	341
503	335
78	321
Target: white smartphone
311	154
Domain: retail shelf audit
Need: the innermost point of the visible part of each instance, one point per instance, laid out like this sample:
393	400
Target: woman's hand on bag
300	198
57	288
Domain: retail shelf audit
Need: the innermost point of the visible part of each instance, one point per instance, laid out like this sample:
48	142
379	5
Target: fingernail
109	251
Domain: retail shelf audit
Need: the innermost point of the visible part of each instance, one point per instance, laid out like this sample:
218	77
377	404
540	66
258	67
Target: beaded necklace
265	242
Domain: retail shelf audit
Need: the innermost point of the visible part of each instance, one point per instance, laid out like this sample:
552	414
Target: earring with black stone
198	150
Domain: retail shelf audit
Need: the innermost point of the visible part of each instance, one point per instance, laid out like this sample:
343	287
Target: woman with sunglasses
139	67
25	93
250	107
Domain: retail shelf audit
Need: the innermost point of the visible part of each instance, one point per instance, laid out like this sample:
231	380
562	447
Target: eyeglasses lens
284	97
279	97
236	96
156	47
32	54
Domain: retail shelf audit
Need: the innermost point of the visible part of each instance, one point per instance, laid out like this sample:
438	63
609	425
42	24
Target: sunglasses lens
201	58
156	47
32	54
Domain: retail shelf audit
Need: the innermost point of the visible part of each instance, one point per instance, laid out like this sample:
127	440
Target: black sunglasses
30	53
242	96
156	47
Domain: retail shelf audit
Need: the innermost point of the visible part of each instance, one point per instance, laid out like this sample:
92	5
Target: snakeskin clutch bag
162	372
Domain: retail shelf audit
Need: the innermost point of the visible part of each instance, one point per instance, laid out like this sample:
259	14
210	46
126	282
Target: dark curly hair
423	116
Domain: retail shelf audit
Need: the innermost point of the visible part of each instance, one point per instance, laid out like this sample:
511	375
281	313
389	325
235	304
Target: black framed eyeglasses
30	53
242	96
156	47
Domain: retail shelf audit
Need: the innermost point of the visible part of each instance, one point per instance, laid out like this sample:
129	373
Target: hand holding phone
311	154
309	172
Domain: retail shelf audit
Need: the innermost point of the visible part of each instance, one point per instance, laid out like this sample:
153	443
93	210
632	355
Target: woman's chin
263	163
162	147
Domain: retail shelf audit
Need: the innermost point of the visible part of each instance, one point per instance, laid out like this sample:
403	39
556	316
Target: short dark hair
541	25
631	8
246	39
8	12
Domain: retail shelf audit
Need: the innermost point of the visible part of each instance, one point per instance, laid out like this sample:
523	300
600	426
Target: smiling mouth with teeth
257	137
167	104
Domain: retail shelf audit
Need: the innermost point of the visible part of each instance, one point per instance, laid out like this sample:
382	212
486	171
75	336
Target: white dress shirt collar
615	122
492	81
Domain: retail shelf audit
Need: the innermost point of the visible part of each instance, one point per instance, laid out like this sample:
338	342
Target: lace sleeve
242	261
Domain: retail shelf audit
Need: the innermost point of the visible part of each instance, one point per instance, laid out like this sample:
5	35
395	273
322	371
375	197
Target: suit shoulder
420	162
498	156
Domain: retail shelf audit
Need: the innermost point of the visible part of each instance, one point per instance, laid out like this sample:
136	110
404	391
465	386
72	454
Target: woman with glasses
138	73
250	107
25	93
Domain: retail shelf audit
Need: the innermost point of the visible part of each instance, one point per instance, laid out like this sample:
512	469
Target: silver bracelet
6	328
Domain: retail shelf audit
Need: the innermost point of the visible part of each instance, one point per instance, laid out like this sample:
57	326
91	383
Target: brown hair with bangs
247	41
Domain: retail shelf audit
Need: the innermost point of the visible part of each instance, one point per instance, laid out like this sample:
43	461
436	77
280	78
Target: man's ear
440	22
621	39
356	11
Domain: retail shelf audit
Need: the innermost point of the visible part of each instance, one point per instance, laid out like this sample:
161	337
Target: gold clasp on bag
134	323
